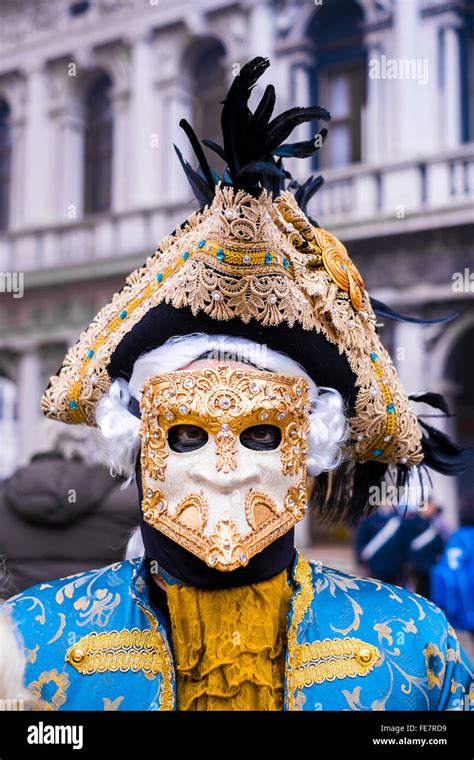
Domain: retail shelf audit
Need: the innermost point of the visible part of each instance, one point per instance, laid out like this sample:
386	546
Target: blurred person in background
380	546
424	546
436	514
452	578
399	545
63	513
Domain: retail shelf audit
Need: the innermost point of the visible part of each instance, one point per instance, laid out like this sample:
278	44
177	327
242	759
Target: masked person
238	377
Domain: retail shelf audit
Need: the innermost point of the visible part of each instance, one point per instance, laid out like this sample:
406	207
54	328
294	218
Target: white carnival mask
219	497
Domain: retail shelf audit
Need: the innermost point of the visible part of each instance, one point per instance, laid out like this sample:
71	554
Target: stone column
69	201
29	397
409	355
37	177
143	167
261	29
406	101
17	200
451	105
121	151
175	101
374	147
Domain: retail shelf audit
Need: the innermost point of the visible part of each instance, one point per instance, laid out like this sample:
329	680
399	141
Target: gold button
77	655
365	656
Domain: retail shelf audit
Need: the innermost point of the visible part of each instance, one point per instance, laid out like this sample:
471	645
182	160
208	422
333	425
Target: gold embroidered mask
224	501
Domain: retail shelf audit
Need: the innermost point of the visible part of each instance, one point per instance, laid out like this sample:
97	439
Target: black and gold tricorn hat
251	263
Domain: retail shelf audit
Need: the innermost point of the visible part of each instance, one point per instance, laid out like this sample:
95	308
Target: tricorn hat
251	263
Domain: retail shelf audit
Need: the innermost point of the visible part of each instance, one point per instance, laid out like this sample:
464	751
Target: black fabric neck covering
185	566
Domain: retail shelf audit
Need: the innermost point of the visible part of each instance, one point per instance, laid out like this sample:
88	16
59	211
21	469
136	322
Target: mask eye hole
261	437
182	438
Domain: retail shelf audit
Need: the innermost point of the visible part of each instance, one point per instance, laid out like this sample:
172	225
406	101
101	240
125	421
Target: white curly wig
121	429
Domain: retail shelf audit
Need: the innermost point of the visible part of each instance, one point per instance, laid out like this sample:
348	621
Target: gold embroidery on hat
300	281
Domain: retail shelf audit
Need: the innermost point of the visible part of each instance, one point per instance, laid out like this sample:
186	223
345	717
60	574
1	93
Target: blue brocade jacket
93	643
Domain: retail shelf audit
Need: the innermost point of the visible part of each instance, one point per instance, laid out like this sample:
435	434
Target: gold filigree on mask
225	450
296	500
153	504
227	546
259	508
192	511
224	401
157	453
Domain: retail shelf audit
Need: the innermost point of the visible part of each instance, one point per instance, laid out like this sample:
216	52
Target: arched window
98	147
5	164
339	78
208	86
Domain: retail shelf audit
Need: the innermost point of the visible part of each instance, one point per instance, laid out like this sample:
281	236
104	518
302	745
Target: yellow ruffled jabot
229	645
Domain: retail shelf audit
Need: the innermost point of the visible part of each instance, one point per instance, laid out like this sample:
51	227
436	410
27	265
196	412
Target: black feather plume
215	147
196	145
305	192
436	400
443	454
283	125
252	145
199	185
382	310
